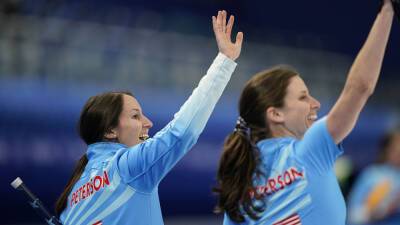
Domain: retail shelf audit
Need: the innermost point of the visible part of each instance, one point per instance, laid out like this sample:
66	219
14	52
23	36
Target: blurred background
55	54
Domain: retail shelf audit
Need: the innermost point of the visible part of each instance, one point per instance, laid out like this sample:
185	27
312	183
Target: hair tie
241	126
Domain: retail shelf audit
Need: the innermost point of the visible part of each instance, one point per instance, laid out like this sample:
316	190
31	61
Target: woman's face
300	108
133	124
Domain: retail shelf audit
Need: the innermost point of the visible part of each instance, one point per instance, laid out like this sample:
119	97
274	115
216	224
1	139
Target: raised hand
389	5
222	31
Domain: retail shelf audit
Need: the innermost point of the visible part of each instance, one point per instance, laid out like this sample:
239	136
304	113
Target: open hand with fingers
391	6
222	31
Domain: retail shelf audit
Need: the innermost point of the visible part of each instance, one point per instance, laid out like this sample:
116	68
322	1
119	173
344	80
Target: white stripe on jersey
297	191
282	163
82	205
106	194
286	202
125	196
299	206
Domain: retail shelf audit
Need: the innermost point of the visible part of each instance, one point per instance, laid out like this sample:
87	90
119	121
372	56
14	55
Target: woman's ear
111	134
274	115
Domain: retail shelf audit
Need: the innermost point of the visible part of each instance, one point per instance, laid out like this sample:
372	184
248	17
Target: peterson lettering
91	187
279	182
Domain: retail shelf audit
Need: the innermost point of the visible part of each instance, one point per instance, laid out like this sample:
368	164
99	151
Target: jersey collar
100	149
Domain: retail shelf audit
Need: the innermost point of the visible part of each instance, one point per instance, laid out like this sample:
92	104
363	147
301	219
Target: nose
315	104
147	122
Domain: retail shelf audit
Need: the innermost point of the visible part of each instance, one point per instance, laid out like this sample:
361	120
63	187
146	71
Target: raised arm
362	78
146	164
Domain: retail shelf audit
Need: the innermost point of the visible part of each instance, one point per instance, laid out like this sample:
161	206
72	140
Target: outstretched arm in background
362	78
146	164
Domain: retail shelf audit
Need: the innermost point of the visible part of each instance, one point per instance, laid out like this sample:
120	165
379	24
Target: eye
303	97
135	116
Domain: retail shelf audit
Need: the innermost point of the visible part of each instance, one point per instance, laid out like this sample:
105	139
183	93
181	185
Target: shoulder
318	129
276	152
271	144
280	147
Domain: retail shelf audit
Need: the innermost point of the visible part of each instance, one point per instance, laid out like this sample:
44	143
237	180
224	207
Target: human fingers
229	26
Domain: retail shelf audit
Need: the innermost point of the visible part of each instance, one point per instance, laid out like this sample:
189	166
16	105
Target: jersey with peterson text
120	185
300	185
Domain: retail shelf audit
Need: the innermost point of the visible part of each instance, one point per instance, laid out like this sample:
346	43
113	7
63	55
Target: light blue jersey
375	194
120	185
300	185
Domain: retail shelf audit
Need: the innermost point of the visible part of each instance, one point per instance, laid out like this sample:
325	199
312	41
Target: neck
280	130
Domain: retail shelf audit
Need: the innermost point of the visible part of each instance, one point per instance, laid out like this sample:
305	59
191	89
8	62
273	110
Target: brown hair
240	157
99	115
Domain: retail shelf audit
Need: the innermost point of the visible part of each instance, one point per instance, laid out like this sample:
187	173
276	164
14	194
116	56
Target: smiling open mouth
312	117
144	137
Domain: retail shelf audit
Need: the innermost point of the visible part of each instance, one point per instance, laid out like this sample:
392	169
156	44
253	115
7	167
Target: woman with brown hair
116	181
277	165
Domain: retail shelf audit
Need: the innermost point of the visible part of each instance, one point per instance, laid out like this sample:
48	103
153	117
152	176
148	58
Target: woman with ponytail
277	165
116	181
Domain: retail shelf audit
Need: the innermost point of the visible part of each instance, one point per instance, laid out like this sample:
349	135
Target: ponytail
62	200
240	162
99	115
237	166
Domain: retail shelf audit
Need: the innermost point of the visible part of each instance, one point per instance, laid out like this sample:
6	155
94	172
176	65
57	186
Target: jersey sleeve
144	165
317	150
